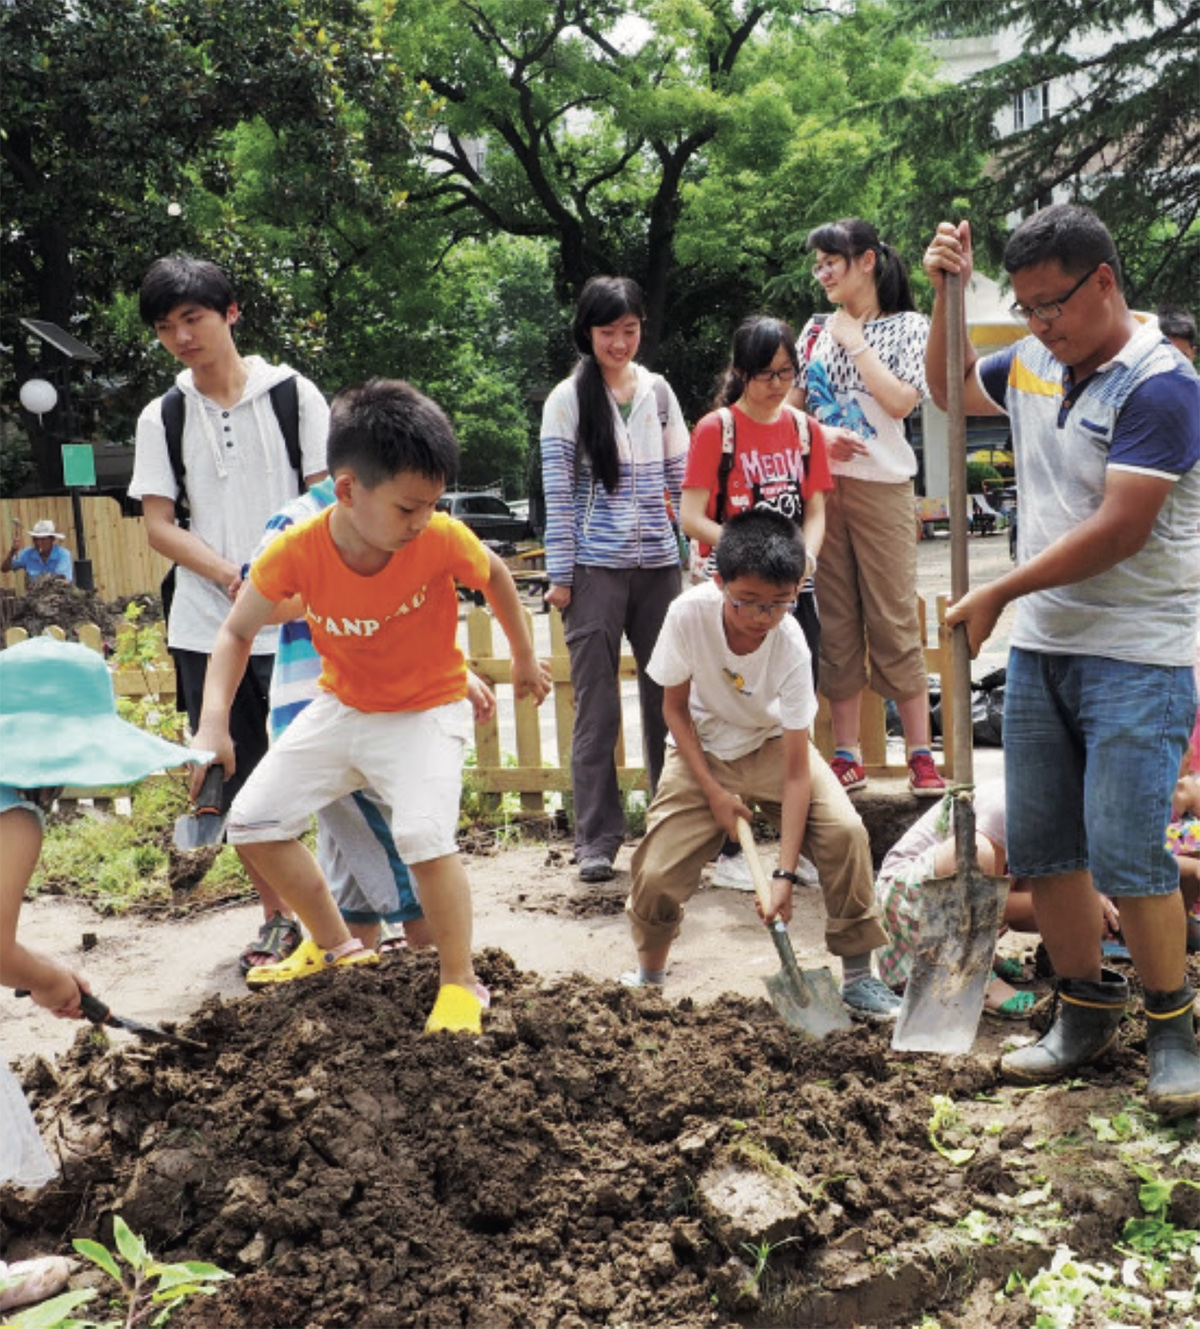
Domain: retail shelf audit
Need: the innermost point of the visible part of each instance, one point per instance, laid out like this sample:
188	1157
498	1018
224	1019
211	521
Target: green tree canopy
1125	140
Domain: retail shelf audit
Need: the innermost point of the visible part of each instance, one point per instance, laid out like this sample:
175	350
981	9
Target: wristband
783	875
858	350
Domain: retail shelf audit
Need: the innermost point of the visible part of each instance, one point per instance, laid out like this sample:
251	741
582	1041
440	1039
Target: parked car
488	515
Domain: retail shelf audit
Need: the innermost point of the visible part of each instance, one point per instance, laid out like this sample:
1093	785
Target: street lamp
40	397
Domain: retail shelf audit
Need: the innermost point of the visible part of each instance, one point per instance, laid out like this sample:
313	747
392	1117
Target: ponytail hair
603	300
755	344
852	238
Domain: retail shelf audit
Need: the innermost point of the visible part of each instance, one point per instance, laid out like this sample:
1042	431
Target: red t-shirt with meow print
770	467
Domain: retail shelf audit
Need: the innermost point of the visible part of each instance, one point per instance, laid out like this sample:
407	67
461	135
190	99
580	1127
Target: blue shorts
1092	748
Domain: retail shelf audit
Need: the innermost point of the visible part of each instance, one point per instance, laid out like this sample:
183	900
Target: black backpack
285	402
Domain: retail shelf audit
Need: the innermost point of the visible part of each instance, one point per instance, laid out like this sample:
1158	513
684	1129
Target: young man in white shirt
237	473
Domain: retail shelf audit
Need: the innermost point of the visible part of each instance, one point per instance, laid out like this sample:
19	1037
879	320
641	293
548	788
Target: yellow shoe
308	958
457	1010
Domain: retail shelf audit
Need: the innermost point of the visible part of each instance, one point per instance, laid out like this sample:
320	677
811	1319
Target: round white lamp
38	396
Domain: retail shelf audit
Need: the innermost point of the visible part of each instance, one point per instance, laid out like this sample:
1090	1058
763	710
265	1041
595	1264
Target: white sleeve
314	426
669	664
152	472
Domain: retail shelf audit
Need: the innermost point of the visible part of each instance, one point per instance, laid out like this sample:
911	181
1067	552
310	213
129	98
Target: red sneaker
850	774
923	777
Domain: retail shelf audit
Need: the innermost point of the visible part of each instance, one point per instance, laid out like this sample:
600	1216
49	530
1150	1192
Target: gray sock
855	967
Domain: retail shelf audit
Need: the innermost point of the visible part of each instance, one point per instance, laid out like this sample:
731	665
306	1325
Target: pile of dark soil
565	1170
53	602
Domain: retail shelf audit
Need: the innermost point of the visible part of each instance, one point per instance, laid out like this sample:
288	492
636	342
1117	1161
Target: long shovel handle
759	877
956	421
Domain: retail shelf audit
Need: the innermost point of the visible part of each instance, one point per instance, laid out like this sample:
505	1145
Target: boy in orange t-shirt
374	575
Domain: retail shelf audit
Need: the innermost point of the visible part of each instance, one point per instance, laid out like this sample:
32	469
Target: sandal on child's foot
1012	970
458	1010
391	938
1014	1006
308	959
277	939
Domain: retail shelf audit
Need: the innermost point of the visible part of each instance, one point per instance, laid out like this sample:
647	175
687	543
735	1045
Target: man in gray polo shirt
1100	695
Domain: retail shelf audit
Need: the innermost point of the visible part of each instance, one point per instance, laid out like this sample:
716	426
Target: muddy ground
585	1163
599	1157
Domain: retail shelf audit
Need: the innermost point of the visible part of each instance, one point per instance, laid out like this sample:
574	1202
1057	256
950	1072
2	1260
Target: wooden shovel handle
956	427
761	888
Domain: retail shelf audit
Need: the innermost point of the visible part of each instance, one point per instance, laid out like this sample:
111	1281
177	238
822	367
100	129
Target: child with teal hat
58	726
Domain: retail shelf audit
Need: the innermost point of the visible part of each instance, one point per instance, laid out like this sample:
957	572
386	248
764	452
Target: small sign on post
79	465
79	472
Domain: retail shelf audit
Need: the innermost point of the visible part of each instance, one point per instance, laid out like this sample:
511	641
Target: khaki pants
867	592
681	836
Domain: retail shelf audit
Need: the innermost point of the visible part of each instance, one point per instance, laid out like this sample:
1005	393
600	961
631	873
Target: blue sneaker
869	999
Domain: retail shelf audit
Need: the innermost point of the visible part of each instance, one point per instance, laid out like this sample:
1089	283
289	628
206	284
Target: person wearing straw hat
43	558
58	726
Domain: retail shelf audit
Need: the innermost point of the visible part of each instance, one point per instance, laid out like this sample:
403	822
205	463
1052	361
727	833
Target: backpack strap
660	397
173	408
801	422
285	402
728	443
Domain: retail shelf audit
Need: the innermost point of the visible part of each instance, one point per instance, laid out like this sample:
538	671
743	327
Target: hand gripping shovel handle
100	1013
95	1010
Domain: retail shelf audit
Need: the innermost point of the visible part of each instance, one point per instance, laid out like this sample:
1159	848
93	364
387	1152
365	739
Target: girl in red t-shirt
778	461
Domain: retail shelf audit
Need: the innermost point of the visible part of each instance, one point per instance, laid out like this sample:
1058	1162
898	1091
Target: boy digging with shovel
739	702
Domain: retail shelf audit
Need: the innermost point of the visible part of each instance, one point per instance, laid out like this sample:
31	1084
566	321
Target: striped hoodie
630	528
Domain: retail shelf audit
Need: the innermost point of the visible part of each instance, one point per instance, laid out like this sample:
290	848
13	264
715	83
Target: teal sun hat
59	722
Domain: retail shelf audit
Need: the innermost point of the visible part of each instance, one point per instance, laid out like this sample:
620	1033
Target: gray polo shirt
1140	412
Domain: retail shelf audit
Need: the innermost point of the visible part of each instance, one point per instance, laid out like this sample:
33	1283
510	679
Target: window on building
1031	106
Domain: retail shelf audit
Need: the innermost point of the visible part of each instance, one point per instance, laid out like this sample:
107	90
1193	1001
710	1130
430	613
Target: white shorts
412	759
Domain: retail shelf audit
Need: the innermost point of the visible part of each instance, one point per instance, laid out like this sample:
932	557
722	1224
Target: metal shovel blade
99	1012
206	825
959	924
807	999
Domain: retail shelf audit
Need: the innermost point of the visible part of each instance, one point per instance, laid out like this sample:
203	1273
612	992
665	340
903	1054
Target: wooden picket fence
153	678
122	561
537	773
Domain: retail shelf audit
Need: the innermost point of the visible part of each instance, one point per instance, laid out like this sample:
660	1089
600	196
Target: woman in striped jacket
614	446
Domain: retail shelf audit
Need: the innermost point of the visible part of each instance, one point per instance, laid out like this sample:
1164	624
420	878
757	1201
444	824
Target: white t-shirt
238	476
737	701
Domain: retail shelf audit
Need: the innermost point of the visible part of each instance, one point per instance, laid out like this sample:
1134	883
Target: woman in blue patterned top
614	446
865	371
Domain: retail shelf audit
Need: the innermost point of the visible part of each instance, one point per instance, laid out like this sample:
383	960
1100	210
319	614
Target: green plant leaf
132	1247
101	1255
52	1314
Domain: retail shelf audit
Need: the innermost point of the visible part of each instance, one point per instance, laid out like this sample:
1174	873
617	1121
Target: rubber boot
1085	1027
1173	1086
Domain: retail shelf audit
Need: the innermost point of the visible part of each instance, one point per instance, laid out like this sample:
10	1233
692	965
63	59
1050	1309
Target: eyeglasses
827	265
773	376
1048	312
755	609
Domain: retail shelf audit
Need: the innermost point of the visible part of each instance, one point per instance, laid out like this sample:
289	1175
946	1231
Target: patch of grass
114	861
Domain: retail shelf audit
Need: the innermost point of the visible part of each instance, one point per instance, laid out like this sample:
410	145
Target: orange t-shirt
387	642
